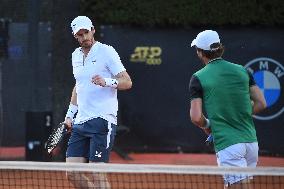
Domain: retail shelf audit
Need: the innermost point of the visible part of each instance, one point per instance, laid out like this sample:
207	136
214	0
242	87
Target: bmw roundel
268	75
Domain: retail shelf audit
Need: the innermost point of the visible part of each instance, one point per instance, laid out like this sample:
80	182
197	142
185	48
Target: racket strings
55	138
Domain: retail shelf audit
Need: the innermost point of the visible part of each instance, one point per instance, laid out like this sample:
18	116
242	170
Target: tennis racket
56	137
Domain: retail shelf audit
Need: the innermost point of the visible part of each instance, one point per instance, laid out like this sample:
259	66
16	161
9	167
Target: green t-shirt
224	87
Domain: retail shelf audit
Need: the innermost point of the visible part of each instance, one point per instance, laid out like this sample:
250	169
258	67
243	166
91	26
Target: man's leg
252	154
243	184
251	157
101	144
234	156
79	179
101	180
77	150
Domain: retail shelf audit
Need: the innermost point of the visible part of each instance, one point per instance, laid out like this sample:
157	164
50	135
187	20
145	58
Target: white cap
206	38
81	22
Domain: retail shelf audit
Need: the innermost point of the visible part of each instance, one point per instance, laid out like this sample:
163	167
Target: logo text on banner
148	55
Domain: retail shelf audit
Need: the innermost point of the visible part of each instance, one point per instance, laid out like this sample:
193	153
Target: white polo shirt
93	100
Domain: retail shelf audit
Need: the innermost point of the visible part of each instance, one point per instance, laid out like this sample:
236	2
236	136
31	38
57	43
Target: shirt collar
219	58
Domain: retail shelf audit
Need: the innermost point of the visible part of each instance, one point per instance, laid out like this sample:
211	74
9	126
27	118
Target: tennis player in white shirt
99	73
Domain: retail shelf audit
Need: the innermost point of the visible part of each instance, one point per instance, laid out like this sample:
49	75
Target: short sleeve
251	79
195	88
114	63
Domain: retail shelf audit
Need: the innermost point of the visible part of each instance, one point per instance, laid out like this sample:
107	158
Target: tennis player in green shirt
230	97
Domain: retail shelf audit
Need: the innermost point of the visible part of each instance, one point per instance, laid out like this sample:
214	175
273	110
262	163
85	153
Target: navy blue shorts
93	140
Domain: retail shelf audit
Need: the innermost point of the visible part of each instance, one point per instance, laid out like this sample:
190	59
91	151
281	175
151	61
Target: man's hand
68	122
98	80
258	99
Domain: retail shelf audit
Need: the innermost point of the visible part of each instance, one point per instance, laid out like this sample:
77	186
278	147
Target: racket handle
209	140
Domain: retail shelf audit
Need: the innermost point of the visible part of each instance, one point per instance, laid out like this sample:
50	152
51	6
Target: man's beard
86	44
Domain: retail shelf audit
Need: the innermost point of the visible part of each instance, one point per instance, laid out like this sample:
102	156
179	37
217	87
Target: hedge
185	13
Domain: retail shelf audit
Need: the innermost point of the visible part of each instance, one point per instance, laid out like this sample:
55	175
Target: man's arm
258	99
121	81
74	97
72	109
196	113
124	81
197	117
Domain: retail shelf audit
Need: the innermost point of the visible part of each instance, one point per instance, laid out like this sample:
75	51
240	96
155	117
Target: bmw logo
268	75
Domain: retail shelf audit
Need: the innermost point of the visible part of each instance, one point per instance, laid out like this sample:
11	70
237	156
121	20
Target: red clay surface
49	180
188	159
27	179
153	158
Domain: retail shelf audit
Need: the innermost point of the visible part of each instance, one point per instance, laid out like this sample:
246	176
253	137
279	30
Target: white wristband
111	82
72	110
207	123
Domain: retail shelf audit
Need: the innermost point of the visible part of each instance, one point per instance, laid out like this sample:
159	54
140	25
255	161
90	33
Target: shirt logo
268	75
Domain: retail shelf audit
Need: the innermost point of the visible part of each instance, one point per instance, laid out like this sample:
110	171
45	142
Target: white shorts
238	155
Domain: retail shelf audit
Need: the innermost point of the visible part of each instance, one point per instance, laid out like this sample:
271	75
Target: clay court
18	153
52	180
57	179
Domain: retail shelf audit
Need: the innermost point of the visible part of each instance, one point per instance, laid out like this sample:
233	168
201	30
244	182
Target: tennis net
51	175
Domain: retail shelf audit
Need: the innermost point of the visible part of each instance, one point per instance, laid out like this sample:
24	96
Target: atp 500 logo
149	55
268	74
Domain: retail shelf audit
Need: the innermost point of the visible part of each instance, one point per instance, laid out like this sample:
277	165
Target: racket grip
209	140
